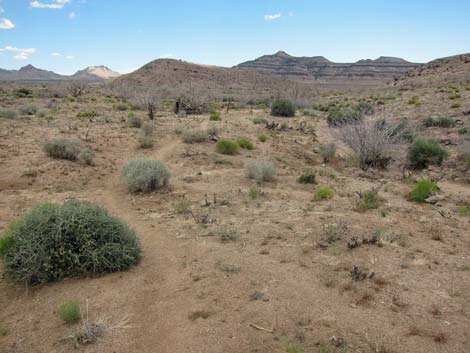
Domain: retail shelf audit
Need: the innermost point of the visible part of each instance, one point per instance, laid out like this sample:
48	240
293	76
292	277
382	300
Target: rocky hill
94	73
170	77
452	69
320	68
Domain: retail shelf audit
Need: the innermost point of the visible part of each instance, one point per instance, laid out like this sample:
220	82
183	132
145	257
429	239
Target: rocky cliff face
320	68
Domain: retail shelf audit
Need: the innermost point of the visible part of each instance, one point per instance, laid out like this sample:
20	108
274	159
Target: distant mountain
94	73
31	73
452	69
320	68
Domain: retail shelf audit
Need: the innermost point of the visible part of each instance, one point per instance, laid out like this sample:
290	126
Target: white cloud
22	53
272	17
56	54
70	57
72	15
55	4
21	56
5	23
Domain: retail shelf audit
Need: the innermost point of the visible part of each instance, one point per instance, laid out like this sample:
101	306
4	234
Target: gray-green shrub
424	152
194	136
145	175
52	241
283	108
62	148
341	116
7	113
28	109
260	170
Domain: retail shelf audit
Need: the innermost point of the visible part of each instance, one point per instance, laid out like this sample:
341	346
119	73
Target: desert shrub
308	177
145	138
414	101
423	189
7	113
324	192
195	136
262	138
342	116
245	143
227	147
145	175
371	143
464	131
283	107
454	96
464	153
328	152
190	105
462	210
440	121
23	93
367	200
62	148
28	109
86	156
260	170
364	108
455	105
424	152
69	311
122	107
180	130
259	120
215	116
53	241
134	121
87	114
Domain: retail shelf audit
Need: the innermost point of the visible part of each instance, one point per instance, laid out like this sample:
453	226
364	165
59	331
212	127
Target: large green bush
283	107
227	147
62	148
424	152
53	241
145	175
423	189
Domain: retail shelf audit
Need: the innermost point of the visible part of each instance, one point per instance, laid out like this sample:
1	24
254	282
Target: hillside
320	68
452	69
169	77
94	73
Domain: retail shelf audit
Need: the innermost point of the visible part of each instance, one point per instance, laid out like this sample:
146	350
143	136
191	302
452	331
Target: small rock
434	199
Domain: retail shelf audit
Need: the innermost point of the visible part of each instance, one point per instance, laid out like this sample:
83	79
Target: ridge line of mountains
267	67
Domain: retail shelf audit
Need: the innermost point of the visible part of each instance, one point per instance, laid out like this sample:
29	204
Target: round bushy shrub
347	115
69	311
7	113
424	152
245	143
260	170
324	192
227	147
134	121
61	148
423	189
283	107
145	175
54	241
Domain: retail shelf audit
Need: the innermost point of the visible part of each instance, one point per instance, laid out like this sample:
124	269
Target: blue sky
67	35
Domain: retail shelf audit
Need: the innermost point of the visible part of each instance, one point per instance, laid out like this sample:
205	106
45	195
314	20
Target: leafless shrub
77	89
149	102
371	142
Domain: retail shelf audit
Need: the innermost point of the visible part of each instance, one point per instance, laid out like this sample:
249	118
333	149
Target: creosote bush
227	147
308	177
424	152
69	311
53	241
260	170
423	189
342	116
215	116
145	175
324	192
440	121
283	108
262	138
28	109
145	138
259	120
245	143
367	200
